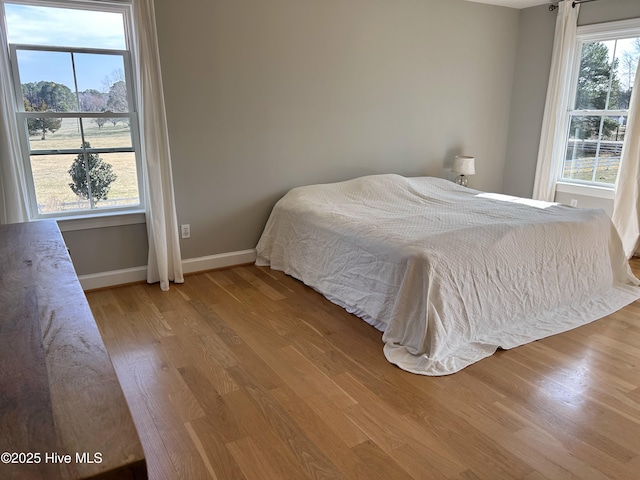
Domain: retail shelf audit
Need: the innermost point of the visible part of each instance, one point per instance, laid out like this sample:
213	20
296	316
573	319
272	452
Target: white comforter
447	273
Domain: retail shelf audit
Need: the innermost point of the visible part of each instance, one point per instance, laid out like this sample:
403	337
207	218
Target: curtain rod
554	6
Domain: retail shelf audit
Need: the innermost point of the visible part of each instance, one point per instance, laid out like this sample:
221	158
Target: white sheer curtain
13	193
626	215
557	100
165	263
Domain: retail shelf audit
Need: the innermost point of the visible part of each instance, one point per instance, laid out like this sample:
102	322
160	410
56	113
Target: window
597	114
75	106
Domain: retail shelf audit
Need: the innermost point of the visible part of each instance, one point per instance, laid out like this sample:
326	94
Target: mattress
448	273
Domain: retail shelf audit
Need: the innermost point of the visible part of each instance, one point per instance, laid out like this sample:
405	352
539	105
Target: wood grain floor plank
201	450
384	466
420	462
391	430
308	455
252	461
186	405
553	408
555	451
256	281
250	361
275	450
309	380
214	453
213	406
334	445
336	420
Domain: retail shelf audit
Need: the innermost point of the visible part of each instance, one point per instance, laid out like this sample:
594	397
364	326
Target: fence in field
591	158
79	204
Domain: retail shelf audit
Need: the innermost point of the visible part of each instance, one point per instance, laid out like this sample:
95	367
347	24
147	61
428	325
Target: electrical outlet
574	202
186	230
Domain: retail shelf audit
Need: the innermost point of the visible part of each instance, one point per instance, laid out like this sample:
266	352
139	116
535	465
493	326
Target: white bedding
447	273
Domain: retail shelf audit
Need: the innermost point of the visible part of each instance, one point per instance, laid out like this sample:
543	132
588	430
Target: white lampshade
464	165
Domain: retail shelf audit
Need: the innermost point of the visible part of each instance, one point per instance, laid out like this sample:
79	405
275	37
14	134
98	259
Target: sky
37	25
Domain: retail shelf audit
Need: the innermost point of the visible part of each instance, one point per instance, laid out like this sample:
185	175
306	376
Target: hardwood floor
245	373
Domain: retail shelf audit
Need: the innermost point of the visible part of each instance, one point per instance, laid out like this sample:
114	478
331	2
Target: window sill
111	219
585	190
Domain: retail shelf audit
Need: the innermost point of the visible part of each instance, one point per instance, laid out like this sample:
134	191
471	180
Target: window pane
64	27
61	181
593	149
607	71
65	133
53	133
124	189
595	72
101	82
107	132
51	179
47	81
627	55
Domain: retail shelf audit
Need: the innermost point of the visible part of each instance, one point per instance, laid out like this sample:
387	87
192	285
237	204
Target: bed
447	273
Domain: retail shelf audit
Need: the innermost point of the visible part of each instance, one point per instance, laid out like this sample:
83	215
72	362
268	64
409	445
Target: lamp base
461	180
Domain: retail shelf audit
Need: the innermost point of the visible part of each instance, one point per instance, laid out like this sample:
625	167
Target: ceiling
514	3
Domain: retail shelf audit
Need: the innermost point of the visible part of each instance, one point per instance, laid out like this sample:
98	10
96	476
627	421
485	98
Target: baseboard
114	278
222	260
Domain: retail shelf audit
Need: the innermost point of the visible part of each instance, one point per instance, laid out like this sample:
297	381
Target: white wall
535	43
265	95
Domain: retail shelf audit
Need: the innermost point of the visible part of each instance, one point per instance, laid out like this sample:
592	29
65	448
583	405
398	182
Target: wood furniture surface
61	406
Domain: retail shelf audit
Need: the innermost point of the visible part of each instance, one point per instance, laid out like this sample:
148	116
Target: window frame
586	34
92	217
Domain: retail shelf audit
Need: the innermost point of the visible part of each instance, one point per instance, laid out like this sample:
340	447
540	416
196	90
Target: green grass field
606	172
51	172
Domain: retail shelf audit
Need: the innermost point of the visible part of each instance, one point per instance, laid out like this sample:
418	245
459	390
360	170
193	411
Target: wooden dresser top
59	394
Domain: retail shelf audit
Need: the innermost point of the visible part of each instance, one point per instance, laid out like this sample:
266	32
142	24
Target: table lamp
464	166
